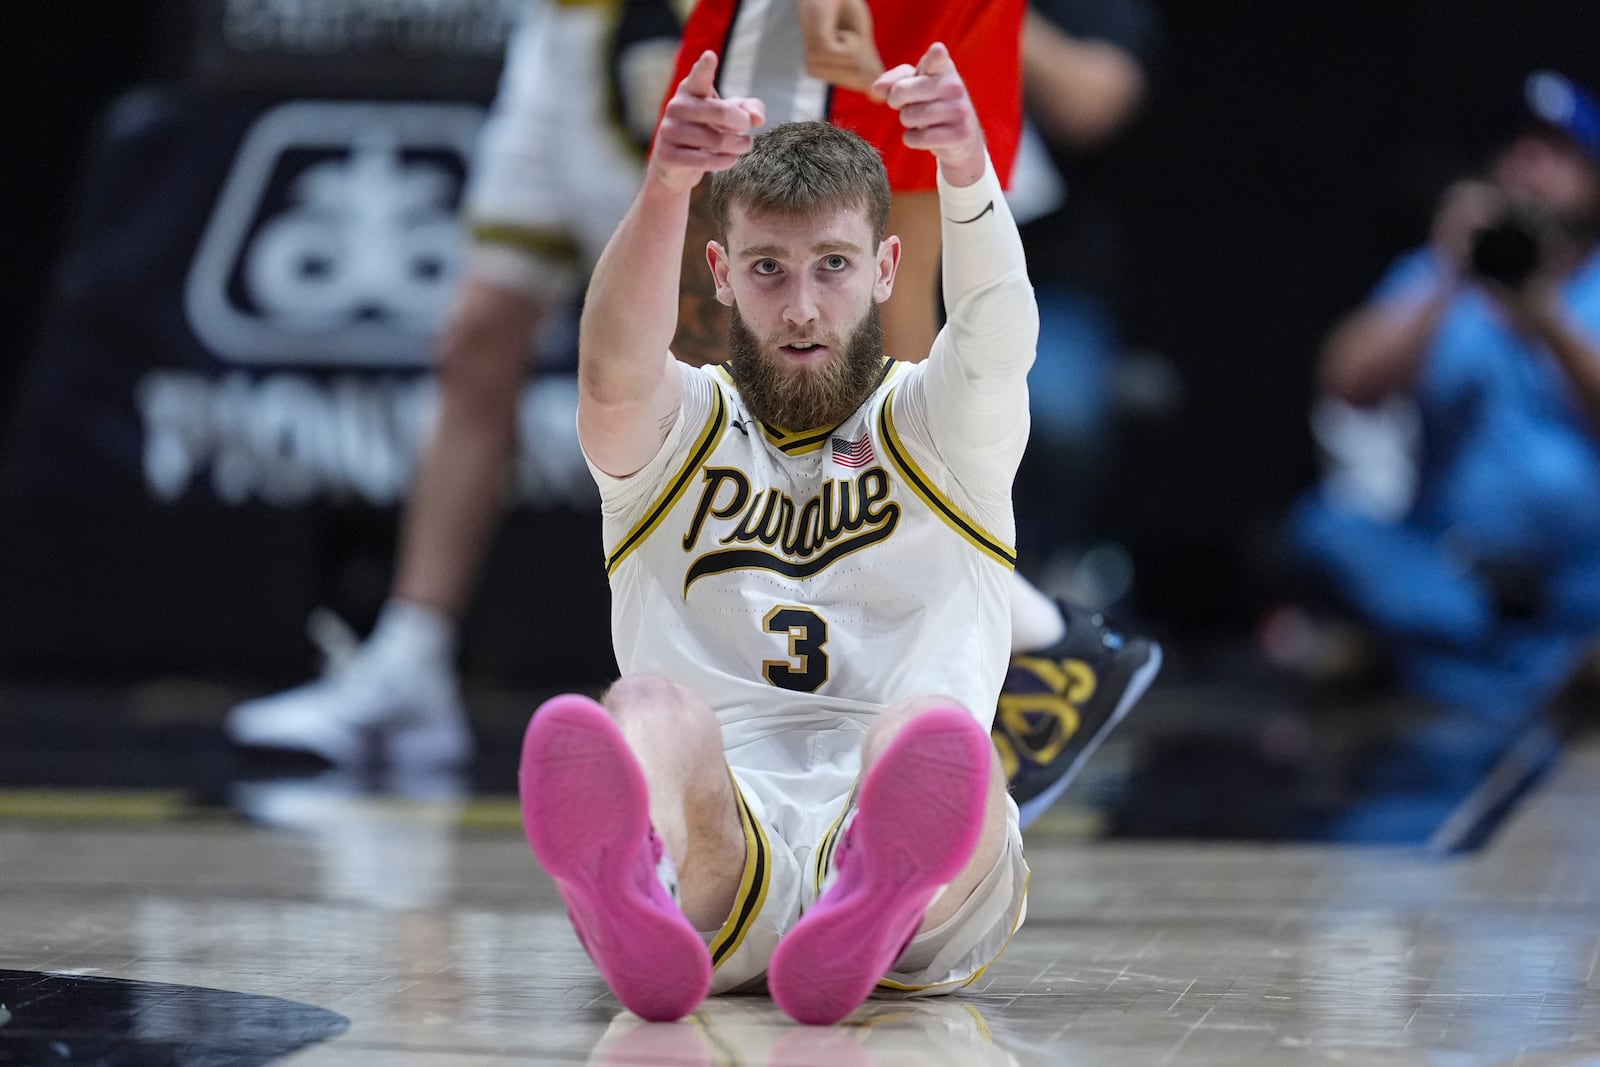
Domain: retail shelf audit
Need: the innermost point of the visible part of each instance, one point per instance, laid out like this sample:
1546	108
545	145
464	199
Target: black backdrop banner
246	309
223	408
416	49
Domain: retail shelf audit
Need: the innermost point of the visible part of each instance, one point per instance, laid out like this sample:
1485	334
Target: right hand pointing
701	132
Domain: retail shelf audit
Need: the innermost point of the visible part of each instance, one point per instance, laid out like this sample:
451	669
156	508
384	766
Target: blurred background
210	420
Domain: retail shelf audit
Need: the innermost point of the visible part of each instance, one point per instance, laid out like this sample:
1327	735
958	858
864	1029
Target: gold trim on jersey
550	244
923	486
716	425
752	895
962	983
804	442
795	443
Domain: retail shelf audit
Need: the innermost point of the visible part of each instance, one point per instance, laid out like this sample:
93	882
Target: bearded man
809	550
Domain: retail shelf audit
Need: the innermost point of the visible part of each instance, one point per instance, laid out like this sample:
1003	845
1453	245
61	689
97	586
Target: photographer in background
1459	522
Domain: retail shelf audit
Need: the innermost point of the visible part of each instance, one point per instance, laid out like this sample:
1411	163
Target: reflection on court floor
420	917
82	1019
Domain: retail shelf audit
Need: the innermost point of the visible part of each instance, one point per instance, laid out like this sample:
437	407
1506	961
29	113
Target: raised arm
628	391
976	386
981	243
1380	348
937	113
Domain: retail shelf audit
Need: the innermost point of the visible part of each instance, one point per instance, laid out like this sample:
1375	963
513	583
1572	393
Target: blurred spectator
559	162
1459	521
1087	67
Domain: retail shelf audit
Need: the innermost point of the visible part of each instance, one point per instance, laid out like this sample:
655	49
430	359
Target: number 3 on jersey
807	666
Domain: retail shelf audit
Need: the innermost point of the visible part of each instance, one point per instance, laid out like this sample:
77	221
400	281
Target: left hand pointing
937	113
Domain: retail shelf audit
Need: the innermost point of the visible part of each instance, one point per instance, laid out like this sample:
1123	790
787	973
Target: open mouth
804	349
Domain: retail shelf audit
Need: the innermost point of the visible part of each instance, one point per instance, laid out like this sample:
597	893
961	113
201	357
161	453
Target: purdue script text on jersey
801	540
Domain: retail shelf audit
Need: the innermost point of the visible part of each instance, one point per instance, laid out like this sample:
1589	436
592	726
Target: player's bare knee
653	692
891	721
662	706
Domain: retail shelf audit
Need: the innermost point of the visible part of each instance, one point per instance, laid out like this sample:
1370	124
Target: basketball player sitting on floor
809	550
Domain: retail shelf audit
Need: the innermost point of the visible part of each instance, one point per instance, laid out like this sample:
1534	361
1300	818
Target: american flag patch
857	453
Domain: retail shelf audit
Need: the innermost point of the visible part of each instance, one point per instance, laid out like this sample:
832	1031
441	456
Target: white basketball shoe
393	701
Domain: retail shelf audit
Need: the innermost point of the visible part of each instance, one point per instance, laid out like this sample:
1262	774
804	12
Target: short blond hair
799	168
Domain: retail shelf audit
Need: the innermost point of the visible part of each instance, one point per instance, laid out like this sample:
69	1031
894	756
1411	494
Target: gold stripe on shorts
830	840
548	243
962	983
752	895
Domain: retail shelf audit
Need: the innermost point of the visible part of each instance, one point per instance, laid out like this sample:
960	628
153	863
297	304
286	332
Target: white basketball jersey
795	577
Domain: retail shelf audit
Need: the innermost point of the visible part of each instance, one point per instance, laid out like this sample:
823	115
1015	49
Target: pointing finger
935	61
702	78
723	115
890	78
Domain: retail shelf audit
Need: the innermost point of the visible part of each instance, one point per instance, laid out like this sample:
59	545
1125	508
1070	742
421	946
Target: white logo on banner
336	240
288	439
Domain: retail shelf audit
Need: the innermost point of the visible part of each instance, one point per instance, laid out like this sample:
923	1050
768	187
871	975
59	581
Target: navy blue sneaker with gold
1059	703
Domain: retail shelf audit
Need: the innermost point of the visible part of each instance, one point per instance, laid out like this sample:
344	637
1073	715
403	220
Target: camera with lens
1509	249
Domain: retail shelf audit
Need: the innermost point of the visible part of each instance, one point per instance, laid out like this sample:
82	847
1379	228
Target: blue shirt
1511	463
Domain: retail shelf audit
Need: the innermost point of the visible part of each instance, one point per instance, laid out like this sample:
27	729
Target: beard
804	396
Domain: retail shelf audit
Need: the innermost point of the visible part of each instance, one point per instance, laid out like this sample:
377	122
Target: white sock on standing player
1036	621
